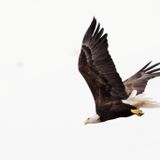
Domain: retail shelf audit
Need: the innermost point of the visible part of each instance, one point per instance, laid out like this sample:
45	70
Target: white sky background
43	98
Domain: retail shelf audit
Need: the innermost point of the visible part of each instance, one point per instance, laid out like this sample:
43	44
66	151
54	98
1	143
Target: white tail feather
141	101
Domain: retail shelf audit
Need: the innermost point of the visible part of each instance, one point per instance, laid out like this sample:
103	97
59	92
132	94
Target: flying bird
113	97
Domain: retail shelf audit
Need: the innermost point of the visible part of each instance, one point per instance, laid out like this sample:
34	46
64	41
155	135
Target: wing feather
139	80
101	70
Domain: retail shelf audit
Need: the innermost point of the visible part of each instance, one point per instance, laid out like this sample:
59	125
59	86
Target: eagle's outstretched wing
96	65
139	80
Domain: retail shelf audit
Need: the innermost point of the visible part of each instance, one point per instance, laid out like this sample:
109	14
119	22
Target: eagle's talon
137	112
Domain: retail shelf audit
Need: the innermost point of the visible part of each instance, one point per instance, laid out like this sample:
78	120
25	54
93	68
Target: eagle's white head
94	119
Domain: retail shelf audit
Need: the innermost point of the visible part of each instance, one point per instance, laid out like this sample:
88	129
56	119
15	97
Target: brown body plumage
97	68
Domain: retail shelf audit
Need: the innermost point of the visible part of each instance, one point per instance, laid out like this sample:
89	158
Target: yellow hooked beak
86	121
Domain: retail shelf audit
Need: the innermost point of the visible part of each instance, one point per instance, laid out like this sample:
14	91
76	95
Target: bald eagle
113	98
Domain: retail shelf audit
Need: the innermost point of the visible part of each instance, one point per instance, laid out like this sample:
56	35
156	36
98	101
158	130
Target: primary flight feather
113	98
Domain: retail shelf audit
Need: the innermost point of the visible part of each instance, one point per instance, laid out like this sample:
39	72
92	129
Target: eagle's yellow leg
137	112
